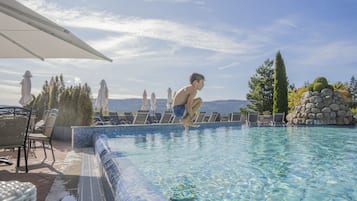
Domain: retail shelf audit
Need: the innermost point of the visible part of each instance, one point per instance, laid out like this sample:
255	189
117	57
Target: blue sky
156	44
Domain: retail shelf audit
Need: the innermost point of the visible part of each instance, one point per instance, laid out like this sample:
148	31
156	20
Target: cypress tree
74	103
280	96
86	108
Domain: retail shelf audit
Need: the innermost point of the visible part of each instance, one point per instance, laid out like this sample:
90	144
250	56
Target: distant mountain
134	104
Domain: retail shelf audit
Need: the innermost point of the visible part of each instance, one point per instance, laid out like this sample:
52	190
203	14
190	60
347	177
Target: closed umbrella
169	100
102	98
145	101
26	96
153	103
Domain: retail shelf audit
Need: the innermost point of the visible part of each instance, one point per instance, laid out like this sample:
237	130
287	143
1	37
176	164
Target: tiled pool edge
121	177
82	136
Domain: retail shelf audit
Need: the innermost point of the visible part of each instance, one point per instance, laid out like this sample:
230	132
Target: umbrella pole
101	113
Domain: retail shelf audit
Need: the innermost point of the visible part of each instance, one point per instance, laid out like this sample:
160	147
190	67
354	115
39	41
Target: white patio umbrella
27	34
169	99
145	101
26	96
102	97
153	103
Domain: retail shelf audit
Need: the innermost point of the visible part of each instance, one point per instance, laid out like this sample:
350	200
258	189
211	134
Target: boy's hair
196	76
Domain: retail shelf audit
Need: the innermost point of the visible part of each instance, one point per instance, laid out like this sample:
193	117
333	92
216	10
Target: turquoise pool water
240	163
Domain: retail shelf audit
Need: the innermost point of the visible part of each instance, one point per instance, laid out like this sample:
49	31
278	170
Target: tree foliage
74	102
294	96
340	86
352	88
260	95
280	96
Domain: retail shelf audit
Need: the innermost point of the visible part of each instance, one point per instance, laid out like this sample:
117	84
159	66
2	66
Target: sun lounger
265	120
166	117
114	118
235	117
121	118
157	117
141	117
129	116
224	118
200	117
278	119
175	120
213	117
252	119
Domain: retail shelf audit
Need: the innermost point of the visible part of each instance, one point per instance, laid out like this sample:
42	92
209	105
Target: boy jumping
185	104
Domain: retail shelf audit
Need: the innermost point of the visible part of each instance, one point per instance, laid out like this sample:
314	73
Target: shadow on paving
53	179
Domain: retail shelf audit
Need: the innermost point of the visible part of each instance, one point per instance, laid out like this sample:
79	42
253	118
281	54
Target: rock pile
321	108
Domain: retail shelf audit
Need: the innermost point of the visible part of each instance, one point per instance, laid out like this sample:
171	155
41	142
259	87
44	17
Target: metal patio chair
14	123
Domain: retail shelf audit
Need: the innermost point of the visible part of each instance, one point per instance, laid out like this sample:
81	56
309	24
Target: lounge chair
199	118
45	135
206	118
252	119
98	121
175	120
141	117
213	117
278	119
114	118
166	117
235	117
121	118
129	116
224	118
14	123
265	120
106	120
157	117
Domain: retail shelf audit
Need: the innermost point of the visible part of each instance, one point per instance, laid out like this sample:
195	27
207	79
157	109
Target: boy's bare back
183	95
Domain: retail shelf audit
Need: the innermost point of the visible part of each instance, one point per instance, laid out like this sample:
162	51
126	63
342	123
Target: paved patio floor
64	172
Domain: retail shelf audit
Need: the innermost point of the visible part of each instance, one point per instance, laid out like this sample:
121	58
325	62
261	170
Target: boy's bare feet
188	123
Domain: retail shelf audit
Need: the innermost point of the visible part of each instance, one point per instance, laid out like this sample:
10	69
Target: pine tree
280	96
260	95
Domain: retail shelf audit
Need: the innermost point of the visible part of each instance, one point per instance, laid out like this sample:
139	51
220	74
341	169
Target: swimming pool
240	163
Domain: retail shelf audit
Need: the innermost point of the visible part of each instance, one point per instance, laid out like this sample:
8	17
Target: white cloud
228	66
11	82
9	72
9	87
182	34
77	80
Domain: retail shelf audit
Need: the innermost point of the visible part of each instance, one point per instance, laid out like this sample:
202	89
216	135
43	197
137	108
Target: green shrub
321	80
318	86
354	111
330	87
311	87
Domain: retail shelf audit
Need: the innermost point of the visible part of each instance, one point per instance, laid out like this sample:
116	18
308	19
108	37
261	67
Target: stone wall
321	108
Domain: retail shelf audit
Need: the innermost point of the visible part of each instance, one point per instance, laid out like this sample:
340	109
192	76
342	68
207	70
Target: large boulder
321	108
